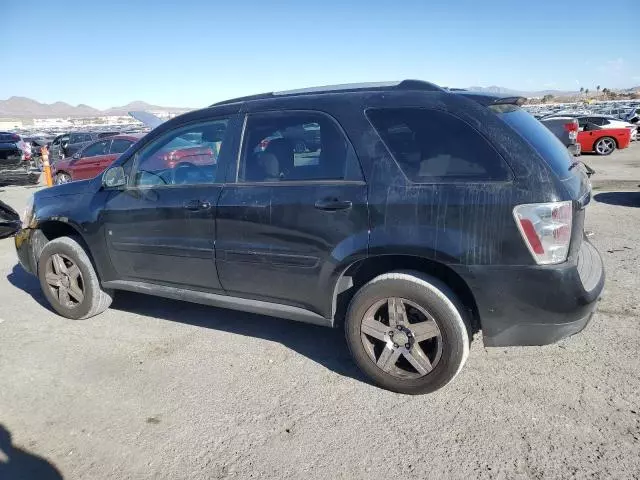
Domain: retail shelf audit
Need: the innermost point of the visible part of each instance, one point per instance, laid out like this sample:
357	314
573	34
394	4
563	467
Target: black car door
161	227
290	216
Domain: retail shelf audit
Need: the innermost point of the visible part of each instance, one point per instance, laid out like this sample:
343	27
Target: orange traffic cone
46	168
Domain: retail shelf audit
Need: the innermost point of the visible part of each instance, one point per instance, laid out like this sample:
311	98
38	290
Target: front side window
95	149
434	146
295	146
185	156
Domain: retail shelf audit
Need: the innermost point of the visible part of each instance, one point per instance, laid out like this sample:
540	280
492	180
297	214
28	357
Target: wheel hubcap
64	280
401	338
605	146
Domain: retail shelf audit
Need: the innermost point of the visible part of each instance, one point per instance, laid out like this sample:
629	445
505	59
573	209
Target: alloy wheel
65	281
605	146
62	178
401	338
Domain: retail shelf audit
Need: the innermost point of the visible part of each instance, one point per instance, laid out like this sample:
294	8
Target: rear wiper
590	171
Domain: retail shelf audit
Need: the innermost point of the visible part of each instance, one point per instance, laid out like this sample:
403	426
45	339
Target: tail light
546	230
572	128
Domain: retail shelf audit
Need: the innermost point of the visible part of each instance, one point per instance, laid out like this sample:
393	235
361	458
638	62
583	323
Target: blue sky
195	52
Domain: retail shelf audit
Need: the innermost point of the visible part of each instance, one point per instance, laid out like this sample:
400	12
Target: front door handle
197	205
333	204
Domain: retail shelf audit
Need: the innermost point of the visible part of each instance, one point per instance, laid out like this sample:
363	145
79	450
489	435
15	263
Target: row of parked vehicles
598	134
412	217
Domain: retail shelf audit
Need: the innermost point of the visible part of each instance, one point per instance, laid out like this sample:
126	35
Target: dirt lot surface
162	389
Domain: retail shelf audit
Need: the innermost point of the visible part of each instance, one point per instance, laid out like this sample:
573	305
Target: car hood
71	188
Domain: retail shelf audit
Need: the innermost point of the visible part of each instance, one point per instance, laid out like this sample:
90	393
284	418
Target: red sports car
604	141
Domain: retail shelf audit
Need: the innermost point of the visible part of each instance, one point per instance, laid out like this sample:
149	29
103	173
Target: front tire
406	332
62	178
69	281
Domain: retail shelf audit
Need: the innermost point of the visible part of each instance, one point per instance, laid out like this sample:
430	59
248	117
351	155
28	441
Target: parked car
608	123
566	129
426	216
603	141
14	152
67	144
92	159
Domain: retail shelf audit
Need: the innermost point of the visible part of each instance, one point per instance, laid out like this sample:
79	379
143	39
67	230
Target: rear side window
434	146
550	148
119	145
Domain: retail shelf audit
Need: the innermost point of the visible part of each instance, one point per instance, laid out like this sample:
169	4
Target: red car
604	141
93	159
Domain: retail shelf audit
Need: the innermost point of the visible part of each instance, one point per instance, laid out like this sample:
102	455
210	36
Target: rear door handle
333	204
197	205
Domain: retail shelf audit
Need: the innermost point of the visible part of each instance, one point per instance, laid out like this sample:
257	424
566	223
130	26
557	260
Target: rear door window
434	146
550	148
296	146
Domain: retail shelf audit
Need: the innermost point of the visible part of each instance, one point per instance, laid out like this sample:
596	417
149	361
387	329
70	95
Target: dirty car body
286	234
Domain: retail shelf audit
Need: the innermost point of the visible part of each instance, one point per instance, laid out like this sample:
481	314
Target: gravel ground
162	389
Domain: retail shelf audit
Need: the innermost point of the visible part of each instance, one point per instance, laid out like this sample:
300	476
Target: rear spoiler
519	101
488	99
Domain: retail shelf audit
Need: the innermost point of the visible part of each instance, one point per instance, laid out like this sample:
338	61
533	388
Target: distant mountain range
22	107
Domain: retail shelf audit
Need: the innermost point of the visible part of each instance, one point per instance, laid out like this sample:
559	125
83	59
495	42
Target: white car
608	122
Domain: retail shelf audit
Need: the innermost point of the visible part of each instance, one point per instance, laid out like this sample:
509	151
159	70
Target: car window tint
94	149
184	156
433	146
120	145
296	146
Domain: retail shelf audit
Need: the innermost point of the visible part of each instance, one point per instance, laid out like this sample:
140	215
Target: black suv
425	216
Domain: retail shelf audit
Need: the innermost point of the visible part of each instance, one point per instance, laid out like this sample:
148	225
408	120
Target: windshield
540	137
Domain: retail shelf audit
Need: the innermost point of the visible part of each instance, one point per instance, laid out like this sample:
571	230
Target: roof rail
346	87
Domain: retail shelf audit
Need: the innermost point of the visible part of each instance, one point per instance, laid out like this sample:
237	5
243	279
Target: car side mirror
114	177
76	156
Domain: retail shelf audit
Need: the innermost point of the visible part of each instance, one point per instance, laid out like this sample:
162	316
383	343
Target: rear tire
429	295
605	146
71	287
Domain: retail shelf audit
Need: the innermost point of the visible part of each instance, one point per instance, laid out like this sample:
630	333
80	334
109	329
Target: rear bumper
575	149
537	305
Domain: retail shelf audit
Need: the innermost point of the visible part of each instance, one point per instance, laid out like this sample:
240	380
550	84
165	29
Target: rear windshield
540	137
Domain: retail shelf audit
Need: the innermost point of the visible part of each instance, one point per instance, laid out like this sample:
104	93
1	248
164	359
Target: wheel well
52	229
366	270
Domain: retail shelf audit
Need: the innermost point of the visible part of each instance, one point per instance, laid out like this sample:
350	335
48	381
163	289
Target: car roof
403	85
341	88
